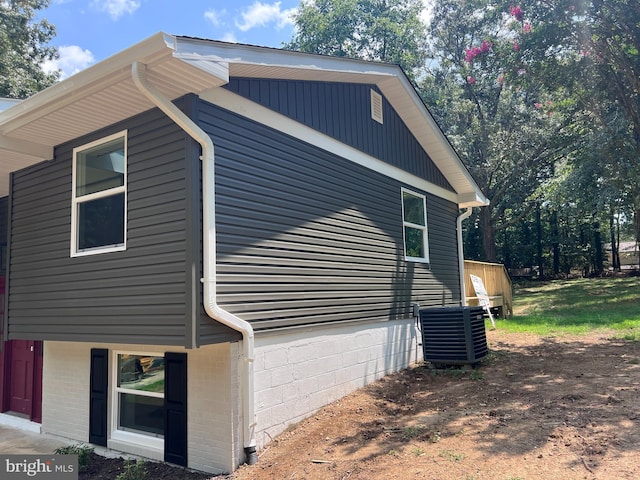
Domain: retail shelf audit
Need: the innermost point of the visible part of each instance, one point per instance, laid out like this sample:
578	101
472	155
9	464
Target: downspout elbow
242	326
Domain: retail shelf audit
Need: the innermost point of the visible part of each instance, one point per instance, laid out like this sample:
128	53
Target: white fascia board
212	66
85	82
246	108
31	149
234	54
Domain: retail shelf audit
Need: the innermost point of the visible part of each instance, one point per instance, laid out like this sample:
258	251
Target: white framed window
138	398
414	222
99	198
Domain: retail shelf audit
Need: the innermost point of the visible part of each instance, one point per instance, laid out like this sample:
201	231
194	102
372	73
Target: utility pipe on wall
138	73
464	215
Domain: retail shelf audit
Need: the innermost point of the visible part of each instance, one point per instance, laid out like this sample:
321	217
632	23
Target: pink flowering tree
509	127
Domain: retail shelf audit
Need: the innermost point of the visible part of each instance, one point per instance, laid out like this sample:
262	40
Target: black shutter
175	408
99	389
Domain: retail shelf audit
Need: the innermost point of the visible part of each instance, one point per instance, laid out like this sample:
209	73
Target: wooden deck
496	281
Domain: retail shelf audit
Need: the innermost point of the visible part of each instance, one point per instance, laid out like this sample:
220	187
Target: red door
20	373
22	368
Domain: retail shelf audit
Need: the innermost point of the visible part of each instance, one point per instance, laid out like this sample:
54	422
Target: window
98	215
414	221
139	394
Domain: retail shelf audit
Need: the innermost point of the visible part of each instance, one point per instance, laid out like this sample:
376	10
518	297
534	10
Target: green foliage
577	306
541	102
509	126
81	450
133	470
381	30
24	49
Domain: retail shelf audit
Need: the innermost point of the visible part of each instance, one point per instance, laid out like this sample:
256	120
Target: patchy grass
577	306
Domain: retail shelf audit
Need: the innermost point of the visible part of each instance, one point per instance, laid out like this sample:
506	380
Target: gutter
463	216
138	73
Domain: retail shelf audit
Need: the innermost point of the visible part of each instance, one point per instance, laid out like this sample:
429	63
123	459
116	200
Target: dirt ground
548	408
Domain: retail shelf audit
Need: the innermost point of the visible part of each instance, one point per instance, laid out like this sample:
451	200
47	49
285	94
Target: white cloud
229	37
262	14
72	60
116	8
215	16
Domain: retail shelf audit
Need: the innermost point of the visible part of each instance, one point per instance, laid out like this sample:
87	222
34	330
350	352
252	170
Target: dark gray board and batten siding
147	294
306	237
343	111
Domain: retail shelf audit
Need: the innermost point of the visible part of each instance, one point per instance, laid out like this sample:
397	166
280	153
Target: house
208	242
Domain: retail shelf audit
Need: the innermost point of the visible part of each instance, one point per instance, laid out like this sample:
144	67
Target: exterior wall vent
454	335
376	107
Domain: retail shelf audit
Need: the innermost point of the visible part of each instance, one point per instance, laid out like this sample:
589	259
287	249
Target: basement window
98	215
414	221
139	398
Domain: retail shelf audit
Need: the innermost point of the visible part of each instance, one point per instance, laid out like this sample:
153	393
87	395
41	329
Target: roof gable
105	94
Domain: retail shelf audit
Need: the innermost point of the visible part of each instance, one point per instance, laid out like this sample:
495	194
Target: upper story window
98	215
414	221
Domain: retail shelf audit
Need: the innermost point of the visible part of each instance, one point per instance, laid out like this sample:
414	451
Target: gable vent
376	106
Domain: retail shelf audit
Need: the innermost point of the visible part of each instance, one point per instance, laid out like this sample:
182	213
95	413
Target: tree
24	49
381	30
611	59
508	126
596	50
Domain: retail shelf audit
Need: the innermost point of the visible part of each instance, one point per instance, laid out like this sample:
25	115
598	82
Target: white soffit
102	95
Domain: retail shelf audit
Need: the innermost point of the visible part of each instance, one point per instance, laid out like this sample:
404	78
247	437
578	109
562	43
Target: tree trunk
488	235
597	240
506	250
615	251
539	242
555	241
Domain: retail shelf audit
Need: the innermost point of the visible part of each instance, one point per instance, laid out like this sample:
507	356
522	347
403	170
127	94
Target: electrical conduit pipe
138	73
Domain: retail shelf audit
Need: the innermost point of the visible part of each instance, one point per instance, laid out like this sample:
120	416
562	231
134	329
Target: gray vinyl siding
306	237
343	111
136	296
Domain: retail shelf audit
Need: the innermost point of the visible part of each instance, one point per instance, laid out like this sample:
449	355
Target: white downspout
138	73
463	216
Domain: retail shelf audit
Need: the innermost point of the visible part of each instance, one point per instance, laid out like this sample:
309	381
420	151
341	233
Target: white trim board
249	109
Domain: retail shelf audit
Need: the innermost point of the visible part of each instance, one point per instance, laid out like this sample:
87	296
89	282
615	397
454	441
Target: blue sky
88	31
